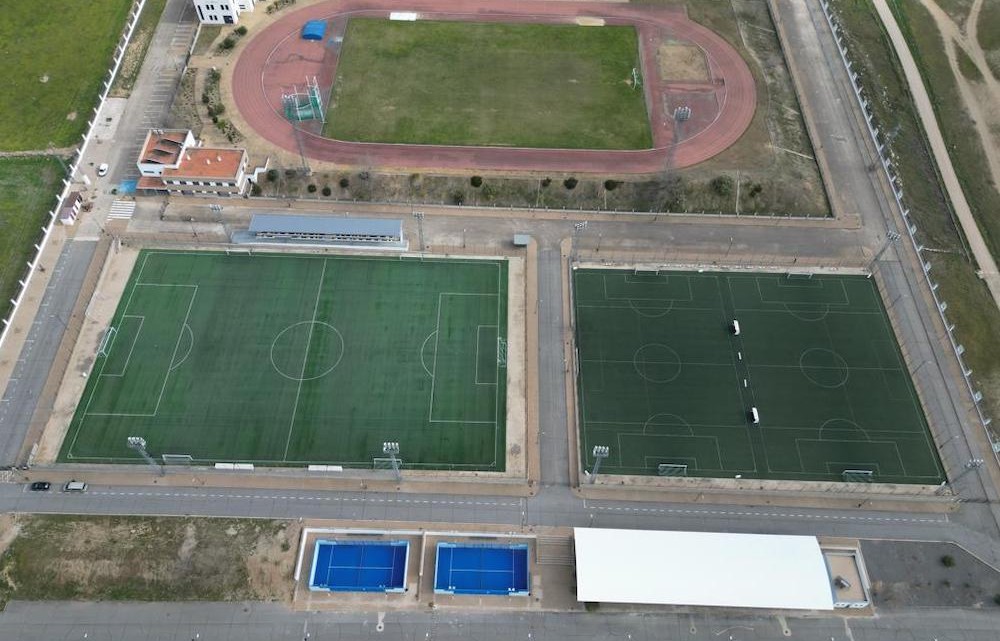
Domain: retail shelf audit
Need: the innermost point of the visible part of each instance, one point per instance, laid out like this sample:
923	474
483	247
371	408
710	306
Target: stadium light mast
391	449
891	237
138	444
600	453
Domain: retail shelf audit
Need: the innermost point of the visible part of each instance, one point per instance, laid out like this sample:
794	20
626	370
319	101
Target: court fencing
74	164
884	152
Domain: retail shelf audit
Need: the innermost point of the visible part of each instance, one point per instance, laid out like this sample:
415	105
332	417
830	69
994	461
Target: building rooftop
163	146
325	225
206	163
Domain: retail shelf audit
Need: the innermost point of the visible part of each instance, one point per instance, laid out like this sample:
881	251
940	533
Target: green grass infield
500	84
666	383
292	360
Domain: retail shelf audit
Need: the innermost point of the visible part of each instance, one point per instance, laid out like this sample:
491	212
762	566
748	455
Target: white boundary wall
119	54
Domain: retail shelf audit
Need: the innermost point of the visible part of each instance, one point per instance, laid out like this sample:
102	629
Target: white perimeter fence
32	265
897	189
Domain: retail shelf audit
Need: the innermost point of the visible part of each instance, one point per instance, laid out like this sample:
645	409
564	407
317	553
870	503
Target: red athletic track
277	58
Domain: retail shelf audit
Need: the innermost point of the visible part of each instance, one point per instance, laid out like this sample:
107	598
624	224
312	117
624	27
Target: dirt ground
138	558
682	62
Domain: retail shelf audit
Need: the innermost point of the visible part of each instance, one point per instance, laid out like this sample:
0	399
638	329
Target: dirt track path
925	109
981	99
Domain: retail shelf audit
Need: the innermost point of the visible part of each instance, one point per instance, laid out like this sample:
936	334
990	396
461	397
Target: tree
722	185
611	185
344	183
570	183
476	181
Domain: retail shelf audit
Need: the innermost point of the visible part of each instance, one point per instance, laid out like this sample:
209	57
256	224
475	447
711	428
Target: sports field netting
664	381
282	359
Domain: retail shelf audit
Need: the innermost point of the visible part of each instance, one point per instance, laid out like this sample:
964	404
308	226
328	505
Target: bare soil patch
682	62
148	559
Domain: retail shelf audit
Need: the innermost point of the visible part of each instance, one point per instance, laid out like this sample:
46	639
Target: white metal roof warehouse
696	568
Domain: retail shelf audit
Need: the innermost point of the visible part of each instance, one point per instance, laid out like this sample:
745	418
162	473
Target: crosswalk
122	210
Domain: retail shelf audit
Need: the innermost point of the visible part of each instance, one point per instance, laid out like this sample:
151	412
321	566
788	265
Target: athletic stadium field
291	360
488	83
664	381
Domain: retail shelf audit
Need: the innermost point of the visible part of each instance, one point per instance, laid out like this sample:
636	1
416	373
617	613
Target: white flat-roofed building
221	11
775	572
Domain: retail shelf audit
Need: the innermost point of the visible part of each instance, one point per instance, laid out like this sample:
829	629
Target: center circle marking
308	331
824	367
657	363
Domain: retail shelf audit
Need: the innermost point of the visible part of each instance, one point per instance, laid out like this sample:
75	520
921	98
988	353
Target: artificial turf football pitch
664	381
292	360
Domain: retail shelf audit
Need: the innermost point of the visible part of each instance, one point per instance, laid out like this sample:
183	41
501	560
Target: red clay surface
277	59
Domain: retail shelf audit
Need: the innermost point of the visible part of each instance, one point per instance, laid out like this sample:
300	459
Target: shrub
327	191
240	30
205	99
311	188
722	185
344	183
457	197
215	119
611	185
227	43
364	175
255	189
948	561
489	192
476	181
289	173
214	75
755	190
570	183
272	175
546	182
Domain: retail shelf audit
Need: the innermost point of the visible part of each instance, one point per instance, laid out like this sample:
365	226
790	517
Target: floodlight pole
391	448
971	464
419	215
138	444
600	453
577	228
891	236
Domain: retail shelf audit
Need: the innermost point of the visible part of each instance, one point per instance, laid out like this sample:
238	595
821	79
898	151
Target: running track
277	58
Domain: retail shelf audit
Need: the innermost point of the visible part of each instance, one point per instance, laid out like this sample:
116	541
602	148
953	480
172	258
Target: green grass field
289	360
57	57
28	190
463	83
663	380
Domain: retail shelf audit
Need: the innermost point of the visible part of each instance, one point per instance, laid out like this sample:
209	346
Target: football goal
107	341
858	476
672	469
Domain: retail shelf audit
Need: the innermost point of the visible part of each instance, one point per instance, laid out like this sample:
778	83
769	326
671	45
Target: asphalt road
271	622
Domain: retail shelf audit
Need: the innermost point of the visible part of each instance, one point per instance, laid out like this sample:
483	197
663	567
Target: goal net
380	463
799	275
858	476
107	341
672	469
239	251
176	459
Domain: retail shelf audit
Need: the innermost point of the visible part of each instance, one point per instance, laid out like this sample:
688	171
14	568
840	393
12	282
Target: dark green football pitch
289	360
664	381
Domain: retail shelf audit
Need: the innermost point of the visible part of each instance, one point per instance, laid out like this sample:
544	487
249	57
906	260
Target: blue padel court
359	566
464	568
